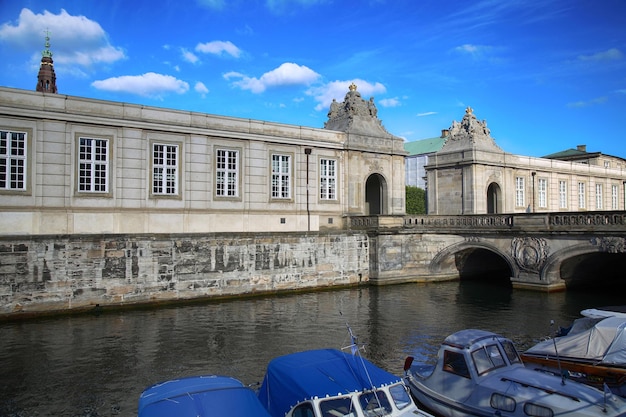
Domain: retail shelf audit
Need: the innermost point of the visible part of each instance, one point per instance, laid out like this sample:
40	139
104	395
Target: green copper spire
47	52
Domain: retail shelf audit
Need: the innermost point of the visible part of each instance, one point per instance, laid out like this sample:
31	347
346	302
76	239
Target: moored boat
591	351
332	383
200	396
480	373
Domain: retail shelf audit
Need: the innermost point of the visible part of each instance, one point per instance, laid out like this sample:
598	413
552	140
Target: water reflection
98	365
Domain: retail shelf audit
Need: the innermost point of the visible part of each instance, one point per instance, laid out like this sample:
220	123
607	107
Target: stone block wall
43	274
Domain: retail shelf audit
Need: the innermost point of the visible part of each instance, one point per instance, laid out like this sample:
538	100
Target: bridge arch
474	260
584	266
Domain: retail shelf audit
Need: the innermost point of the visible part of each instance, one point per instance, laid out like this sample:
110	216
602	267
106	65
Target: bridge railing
541	222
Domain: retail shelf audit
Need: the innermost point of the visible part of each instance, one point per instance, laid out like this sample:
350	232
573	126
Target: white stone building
472	175
72	165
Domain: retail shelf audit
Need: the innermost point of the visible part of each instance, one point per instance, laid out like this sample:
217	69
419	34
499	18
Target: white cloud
337	90
148	85
219	48
592	102
75	40
286	74
428	113
189	56
390	102
612	54
201	88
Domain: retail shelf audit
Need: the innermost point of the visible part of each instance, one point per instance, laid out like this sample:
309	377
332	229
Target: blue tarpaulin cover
293	378
200	396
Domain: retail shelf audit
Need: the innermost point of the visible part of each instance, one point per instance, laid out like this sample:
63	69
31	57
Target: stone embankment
59	274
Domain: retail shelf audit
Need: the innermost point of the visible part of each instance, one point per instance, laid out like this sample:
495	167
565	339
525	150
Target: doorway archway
494	199
375	195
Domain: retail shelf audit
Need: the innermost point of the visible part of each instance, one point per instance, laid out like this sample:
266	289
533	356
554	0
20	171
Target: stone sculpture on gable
470	133
355	115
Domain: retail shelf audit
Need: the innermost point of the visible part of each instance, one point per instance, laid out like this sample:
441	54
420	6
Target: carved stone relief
530	253
610	244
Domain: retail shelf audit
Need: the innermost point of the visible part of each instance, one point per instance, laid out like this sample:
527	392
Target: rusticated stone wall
43	274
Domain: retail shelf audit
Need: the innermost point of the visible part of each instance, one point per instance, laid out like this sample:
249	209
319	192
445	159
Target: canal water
97	365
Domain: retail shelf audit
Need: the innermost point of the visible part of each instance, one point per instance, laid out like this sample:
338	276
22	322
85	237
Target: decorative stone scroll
611	244
530	253
470	133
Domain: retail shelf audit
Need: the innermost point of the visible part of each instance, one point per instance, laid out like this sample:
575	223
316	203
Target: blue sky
545	75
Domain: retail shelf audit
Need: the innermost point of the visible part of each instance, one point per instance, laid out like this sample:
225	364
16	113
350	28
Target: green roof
424	146
568	153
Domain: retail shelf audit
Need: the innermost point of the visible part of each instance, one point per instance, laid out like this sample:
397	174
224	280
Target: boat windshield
510	351
337	407
487	358
375	403
400	396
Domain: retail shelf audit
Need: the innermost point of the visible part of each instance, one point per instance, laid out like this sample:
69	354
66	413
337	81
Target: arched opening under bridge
595	271
480	264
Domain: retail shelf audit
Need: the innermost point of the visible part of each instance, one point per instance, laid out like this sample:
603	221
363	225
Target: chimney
444	133
582	148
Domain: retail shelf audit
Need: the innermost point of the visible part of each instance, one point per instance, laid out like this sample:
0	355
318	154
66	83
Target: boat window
303	410
535	410
400	397
502	402
454	362
337	407
510	351
487	358
375	404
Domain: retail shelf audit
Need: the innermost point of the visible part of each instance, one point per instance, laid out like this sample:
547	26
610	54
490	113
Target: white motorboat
591	351
480	373
332	383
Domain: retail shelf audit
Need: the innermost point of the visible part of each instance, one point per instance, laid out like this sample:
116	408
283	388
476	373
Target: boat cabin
331	383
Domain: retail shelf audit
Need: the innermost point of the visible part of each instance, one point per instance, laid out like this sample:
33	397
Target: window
454	362
328	179
581	195
281	176
375	403
487	358
614	197
93	165
227	173
520	199
542	190
164	169
598	196
12	160
563	194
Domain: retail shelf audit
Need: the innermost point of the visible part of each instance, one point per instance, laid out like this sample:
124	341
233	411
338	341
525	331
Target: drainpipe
307	152
533	175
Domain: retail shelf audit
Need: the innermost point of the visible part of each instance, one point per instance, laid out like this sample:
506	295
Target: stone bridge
541	251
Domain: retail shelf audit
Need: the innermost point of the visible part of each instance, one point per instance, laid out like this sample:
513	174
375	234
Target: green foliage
415	200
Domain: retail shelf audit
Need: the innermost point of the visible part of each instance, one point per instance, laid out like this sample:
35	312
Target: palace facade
73	165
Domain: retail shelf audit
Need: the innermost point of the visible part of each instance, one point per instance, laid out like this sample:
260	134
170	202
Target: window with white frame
12	160
164	169
599	197
614	197
93	165
227	173
281	176
542	192
520	198
328	179
562	194
581	195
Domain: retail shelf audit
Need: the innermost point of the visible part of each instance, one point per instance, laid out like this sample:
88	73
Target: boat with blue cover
332	383
200	396
480	373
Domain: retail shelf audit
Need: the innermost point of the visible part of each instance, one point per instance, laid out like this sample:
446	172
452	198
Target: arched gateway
375	195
